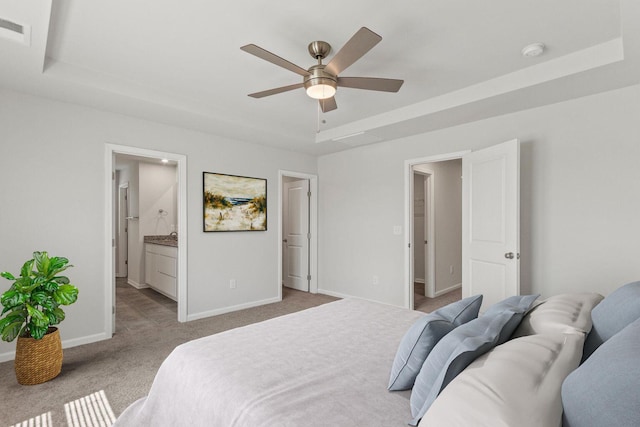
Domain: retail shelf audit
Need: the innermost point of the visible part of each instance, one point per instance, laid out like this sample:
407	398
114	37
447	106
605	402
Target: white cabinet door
491	222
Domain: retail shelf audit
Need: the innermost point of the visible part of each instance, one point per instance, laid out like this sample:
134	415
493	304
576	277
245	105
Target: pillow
563	313
612	315
418	341
519	305
515	384
462	346
604	390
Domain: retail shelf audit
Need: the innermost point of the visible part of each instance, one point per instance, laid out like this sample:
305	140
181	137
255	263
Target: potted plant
31	308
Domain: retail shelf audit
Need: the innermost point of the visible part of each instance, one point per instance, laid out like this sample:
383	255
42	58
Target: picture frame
233	203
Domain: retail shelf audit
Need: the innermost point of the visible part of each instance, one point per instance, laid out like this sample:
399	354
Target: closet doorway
436	233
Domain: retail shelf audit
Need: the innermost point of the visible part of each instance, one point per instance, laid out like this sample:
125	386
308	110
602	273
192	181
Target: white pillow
517	383
560	313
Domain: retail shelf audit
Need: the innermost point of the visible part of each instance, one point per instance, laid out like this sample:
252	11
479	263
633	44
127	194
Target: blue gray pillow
462	346
614	313
424	334
603	391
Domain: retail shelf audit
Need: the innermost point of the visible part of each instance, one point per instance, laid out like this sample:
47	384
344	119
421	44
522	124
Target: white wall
157	192
580	198
52	172
448	224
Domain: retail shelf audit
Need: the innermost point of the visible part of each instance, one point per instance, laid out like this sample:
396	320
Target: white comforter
325	366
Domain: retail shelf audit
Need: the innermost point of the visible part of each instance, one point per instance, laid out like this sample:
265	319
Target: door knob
509	255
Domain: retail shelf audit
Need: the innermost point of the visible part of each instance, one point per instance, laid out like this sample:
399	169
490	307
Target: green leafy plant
32	303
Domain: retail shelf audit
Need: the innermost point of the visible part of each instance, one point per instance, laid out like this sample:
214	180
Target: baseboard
136	284
418	280
225	310
447	290
74	342
334	294
344	296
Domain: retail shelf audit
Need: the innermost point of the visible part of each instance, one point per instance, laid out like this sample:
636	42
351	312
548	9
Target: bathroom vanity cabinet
161	269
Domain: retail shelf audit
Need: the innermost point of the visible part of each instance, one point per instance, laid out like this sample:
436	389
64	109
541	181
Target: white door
122	239
295	247
491	222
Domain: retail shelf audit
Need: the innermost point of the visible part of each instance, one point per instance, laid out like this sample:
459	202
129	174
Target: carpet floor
124	366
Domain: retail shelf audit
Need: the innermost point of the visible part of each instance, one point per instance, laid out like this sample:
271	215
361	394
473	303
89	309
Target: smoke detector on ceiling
16	32
534	49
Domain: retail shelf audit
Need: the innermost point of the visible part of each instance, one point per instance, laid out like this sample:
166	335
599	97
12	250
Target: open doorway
297	225
146	242
490	234
146	229
436	233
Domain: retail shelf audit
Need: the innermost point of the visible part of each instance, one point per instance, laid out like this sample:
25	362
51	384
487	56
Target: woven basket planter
38	361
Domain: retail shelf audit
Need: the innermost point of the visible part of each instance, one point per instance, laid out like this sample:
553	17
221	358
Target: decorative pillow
613	314
519	305
563	313
604	390
462	346
424	334
515	384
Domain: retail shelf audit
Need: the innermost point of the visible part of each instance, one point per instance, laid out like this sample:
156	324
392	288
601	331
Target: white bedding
325	366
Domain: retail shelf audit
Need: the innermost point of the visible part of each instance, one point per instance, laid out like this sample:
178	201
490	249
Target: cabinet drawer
169	251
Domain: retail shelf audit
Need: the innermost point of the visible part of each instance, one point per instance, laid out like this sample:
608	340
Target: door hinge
126	262
308	236
408	245
113	309
113	243
113	176
308	277
308	193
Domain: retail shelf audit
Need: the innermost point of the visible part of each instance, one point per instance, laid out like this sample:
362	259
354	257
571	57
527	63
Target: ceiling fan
322	80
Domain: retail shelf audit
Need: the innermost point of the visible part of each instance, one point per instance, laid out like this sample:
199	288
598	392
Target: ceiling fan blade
274	59
276	90
328	104
361	43
371	83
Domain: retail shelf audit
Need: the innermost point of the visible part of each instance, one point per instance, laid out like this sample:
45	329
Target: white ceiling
180	62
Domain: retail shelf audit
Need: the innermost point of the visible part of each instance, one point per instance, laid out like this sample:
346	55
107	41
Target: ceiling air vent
13	31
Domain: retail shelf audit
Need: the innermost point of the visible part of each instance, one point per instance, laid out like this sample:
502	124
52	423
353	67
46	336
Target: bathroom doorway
155	207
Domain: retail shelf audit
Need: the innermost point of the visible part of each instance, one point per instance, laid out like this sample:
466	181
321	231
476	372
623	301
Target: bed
325	366
330	366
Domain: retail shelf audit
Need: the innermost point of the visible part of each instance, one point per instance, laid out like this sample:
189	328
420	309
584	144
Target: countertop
163	240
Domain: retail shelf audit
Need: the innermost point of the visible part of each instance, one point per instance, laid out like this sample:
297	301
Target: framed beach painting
234	203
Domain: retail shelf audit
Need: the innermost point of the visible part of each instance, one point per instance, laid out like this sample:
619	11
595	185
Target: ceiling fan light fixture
321	88
320	84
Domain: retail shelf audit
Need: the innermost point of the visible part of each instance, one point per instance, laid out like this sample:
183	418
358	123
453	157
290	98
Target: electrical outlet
376	280
232	283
